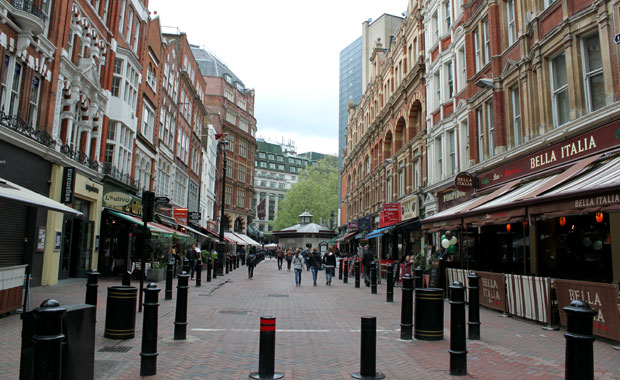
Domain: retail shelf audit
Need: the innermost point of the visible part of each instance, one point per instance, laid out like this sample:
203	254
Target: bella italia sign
580	146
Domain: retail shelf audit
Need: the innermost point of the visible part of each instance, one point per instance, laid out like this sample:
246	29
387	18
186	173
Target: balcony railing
30	7
79	156
112	171
18	125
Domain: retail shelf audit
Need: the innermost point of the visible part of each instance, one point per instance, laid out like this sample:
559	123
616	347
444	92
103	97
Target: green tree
315	192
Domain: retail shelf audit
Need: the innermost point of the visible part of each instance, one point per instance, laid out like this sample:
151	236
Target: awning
166	220
156	228
379	232
247	239
346	236
234	239
192	230
10	190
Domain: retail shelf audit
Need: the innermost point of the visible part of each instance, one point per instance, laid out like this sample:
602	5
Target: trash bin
428	320
120	313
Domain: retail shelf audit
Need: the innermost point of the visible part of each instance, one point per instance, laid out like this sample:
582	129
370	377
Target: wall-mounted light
562	221
599	217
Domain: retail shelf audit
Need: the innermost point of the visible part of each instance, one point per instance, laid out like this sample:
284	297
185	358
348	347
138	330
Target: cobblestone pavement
317	334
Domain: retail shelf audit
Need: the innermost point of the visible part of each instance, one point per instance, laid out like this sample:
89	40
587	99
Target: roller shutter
12	232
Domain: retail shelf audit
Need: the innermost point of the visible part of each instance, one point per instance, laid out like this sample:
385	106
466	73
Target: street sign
617	38
162	200
193	215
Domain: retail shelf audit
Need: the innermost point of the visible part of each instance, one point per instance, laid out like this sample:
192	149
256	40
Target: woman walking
330	264
298	266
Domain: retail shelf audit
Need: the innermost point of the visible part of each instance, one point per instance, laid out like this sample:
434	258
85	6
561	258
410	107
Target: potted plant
157	272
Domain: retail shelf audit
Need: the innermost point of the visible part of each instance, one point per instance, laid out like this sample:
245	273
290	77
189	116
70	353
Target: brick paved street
317	335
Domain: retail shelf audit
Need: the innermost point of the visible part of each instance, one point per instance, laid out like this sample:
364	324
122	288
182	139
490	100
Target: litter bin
428	320
120	313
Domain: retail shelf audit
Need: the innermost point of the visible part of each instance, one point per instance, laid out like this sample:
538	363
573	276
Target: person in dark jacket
314	262
191	255
367	258
330	265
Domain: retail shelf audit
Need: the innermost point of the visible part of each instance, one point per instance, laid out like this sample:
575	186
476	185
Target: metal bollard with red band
267	350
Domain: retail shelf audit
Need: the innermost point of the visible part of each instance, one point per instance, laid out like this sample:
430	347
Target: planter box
156	275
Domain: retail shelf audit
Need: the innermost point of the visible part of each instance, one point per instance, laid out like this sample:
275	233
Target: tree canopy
315	192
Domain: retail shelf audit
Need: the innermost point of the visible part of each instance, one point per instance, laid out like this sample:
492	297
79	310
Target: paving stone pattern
317	334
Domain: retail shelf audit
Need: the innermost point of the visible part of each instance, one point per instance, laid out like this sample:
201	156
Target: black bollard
458	344
186	265
91	288
126	280
368	356
208	270
373	277
180	319
169	276
47	340
215	264
148	355
473	322
389	294
356	269
418	278
340	271
198	273
345	280
267	350
406	311
579	358
226	263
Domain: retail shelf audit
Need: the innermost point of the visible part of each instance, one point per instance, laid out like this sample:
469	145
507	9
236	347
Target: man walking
280	256
251	263
192	256
367	259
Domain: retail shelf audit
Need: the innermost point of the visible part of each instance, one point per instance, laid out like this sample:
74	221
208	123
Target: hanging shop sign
464	182
569	150
122	201
363	224
68	185
391	214
180	215
603	298
410	207
194	216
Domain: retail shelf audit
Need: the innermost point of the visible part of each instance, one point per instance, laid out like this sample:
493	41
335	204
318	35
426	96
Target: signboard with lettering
603	298
391	214
464	182
122	201
410	207
451	197
363	224
492	290
569	150
180	215
193	216
68	185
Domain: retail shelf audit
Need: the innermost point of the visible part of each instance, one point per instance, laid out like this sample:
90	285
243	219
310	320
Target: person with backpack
330	265
251	263
298	266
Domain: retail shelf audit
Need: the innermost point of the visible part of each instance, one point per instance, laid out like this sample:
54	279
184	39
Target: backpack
252	259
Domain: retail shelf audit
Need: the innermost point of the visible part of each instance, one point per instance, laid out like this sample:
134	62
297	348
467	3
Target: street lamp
221	246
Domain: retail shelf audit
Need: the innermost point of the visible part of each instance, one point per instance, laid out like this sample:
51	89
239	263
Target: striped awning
155	228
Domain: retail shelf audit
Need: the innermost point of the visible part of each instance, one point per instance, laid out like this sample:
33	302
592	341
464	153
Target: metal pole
267	350
47	340
221	245
345	280
180	320
579	357
390	283
368	355
91	288
341	268
198	272
458	344
356	267
373	277
148	355
209	269
406	312
142	266
169	276
474	307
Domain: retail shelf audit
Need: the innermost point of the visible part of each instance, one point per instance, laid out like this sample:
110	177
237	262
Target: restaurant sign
410	207
601	297
492	290
180	215
580	146
390	215
464	182
121	201
451	197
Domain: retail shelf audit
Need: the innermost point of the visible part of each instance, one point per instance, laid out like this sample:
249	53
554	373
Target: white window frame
510	22
556	93
588	73
490	128
517	133
480	126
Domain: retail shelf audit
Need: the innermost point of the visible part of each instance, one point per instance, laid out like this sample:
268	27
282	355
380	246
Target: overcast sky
287	50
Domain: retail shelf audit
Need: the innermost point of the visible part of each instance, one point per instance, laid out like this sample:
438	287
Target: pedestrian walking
367	259
280	256
289	258
251	262
314	263
298	266
330	265
191	255
307	253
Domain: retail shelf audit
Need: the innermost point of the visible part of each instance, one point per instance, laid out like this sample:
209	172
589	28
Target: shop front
548	220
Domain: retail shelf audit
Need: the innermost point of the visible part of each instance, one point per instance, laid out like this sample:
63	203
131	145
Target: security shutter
12	232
